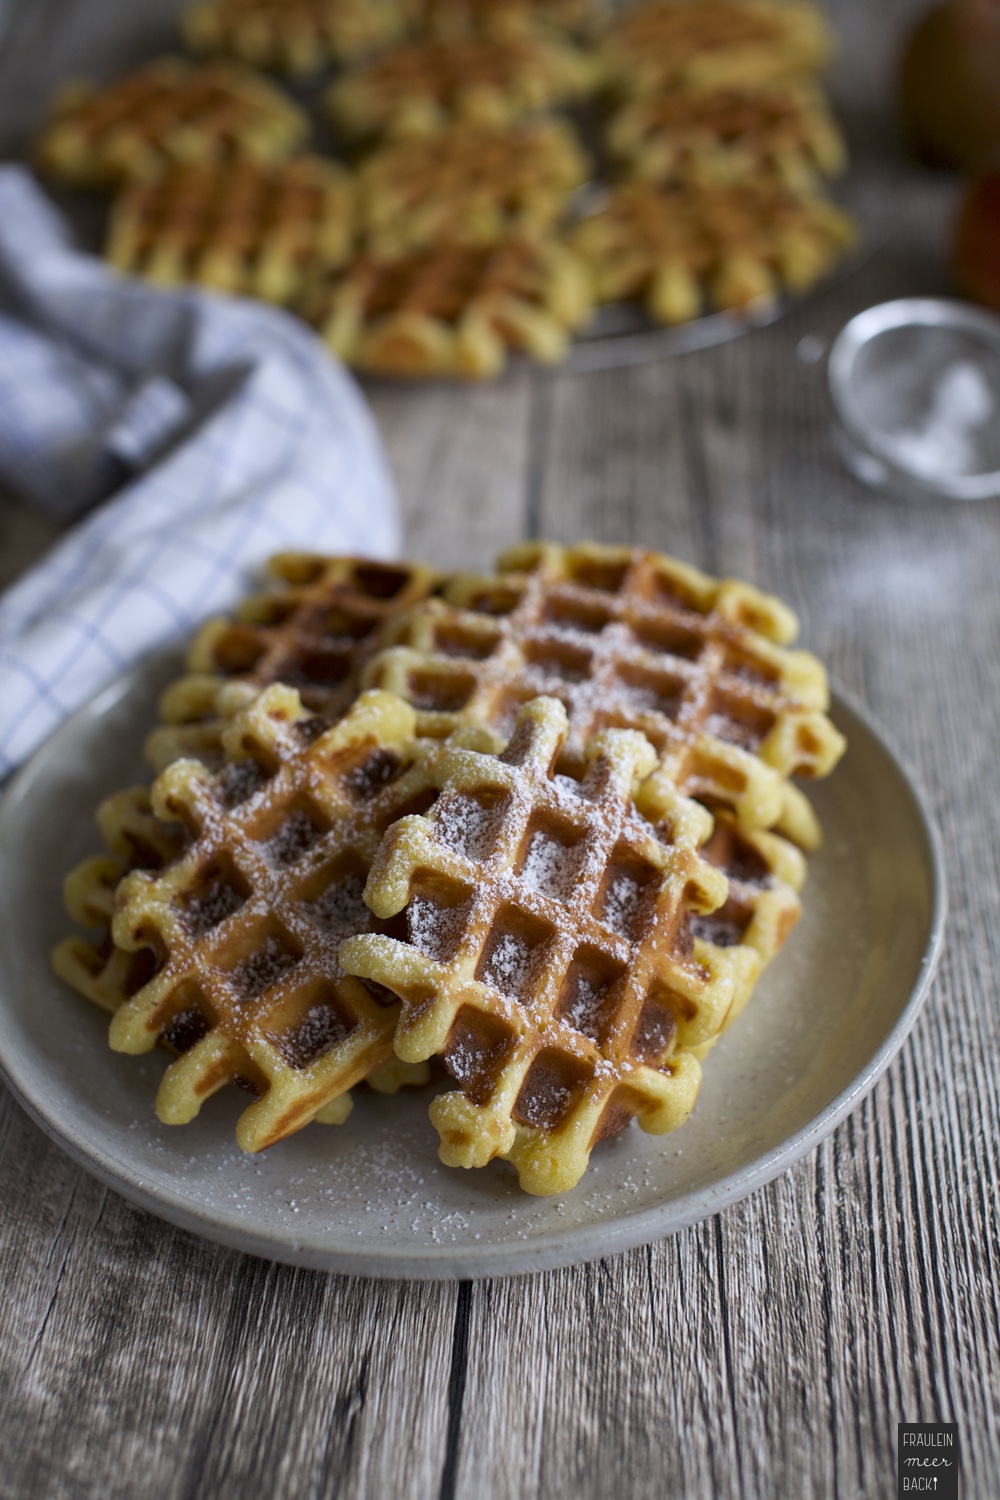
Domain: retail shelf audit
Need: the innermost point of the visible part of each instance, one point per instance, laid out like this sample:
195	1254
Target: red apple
950	83
977	240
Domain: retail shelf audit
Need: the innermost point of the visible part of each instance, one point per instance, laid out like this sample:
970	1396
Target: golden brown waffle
468	185
312	629
633	640
294	36
453	309
246	227
548	956
734	244
714	43
169	111
780	131
135	839
244	927
765	875
579	18
421	88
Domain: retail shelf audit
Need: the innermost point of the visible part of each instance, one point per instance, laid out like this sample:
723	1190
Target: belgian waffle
293	36
714	43
453	309
423	87
169	111
312	630
765	874
468	185
246	227
548	956
781	131
506	17
633	640
244	926
737	243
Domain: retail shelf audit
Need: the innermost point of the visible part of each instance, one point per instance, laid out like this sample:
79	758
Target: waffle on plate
778	131
579	18
168	111
313	629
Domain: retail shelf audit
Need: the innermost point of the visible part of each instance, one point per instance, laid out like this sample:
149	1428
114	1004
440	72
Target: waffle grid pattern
630	640
245	925
423	87
732	244
782	132
294	36
312	631
454	309
244	227
714	43
549	958
169	111
468	186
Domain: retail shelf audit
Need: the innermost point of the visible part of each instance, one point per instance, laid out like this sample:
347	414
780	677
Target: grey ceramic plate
370	1196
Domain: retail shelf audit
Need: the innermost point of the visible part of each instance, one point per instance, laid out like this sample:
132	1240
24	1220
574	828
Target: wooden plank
769	1351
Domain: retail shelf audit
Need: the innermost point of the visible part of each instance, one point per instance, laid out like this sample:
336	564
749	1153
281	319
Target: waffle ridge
737	244
292	36
454	309
579	18
636	640
168	111
549	959
421	88
245	925
469	186
669	44
782	131
311	628
260	229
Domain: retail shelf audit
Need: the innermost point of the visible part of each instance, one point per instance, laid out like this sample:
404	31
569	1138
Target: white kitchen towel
222	430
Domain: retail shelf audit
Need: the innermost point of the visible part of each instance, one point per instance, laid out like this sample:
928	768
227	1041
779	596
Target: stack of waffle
536	825
451	231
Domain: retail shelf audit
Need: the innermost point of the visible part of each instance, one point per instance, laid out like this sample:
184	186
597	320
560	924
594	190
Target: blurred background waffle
293	36
427	85
170	111
261	230
453	309
680	147
469	186
214	917
236	935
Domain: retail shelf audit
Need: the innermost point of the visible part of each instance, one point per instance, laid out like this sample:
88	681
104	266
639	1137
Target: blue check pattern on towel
222	430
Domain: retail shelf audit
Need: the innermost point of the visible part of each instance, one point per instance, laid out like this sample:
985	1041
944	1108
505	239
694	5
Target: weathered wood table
771	1350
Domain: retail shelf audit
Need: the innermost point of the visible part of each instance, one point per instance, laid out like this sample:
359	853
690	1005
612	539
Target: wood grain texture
770	1351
